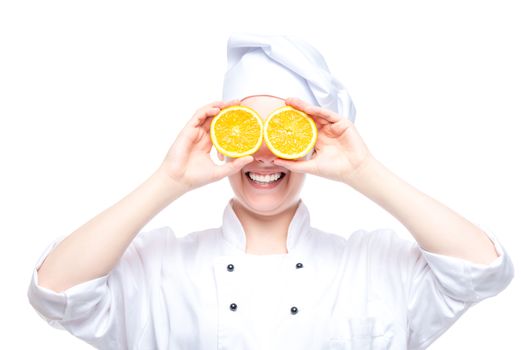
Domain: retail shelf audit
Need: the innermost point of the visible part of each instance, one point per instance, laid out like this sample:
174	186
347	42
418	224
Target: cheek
234	182
296	180
235	179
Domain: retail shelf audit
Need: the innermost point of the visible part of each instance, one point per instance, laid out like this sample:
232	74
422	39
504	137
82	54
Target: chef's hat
283	66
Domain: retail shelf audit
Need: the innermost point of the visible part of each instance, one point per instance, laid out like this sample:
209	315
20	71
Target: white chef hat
283	66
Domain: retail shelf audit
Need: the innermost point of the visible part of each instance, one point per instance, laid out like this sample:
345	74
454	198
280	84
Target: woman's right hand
189	162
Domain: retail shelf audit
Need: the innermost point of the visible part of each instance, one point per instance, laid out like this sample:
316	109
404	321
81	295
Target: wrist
168	185
364	173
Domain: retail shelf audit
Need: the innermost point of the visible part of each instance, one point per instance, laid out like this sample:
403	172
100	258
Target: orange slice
236	131
290	133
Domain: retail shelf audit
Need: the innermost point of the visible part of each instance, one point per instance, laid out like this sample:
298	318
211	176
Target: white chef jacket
372	290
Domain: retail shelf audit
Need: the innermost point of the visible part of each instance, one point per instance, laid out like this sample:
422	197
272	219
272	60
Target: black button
299	265
230	267
294	310
233	307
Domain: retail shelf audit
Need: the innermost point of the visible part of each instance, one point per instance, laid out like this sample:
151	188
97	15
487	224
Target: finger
319	122
206	125
232	167
297	102
230	103
214	104
211	110
324	113
203	114
314	111
205	143
303	106
296	166
340	127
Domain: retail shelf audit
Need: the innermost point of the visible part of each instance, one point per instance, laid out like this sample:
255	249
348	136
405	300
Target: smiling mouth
265	179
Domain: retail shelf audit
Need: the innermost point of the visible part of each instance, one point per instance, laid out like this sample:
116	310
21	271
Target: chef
267	279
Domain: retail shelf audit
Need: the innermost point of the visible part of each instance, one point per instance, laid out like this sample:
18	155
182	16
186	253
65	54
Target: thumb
296	166
234	166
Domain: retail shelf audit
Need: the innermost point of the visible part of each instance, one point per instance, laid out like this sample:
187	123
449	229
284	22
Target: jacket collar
233	232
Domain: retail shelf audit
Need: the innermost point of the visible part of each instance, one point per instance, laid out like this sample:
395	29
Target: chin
262	205
267	202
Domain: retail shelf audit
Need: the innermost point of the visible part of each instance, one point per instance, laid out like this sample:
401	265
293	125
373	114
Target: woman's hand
339	150
188	161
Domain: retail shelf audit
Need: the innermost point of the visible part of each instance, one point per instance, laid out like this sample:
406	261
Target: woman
266	279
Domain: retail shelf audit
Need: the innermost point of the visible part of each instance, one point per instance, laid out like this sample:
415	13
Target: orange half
236	131
290	133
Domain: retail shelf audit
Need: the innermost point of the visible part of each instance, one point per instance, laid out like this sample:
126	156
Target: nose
264	155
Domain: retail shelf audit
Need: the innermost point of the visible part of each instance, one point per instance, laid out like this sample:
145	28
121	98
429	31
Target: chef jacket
372	290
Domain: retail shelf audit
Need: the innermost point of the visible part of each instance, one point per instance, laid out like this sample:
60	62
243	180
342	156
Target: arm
94	249
340	154
436	288
435	227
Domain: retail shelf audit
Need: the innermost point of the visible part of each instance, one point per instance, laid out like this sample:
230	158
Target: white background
92	94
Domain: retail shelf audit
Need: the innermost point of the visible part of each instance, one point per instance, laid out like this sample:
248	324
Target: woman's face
261	186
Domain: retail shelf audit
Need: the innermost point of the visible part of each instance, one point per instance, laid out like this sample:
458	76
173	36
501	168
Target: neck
265	234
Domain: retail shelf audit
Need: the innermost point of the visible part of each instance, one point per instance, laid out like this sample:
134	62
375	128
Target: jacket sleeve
110	311
442	288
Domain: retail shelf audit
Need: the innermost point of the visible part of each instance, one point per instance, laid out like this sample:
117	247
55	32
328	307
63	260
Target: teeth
265	178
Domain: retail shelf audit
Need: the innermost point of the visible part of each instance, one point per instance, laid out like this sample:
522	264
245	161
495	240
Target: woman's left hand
339	150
